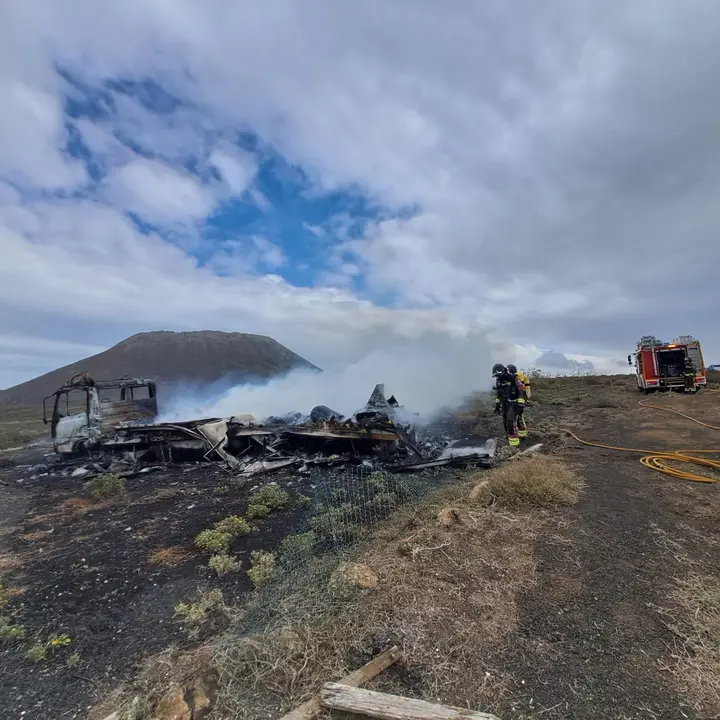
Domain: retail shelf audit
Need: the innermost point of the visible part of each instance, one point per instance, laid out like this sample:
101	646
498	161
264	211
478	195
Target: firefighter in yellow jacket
509	397
522	401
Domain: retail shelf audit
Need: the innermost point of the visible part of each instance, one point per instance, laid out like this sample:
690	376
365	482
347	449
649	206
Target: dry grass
20	425
539	481
169	556
585	391
695	621
448	576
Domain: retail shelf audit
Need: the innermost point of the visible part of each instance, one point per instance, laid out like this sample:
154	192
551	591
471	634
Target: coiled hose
658	459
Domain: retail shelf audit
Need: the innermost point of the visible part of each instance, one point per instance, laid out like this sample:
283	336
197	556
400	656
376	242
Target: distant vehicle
714	368
661	366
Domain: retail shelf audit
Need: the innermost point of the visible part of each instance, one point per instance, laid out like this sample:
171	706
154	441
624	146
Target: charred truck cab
84	409
663	366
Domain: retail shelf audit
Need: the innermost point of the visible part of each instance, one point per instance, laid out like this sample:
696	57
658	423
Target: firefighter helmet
498	369
512	369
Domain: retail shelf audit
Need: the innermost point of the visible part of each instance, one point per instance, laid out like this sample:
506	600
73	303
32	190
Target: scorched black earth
108	574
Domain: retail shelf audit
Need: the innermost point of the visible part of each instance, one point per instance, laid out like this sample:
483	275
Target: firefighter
508	391
689	375
522	401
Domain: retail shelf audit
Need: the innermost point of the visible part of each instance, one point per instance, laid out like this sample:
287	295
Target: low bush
263	567
9	632
297	549
197	612
105	486
271	496
336	523
37	652
257	511
213	541
223	564
233	525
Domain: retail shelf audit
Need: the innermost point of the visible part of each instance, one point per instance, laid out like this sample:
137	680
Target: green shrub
272	496
4	595
337	522
263	567
385	501
213	541
258	511
297	549
57	641
105	486
379	481
197	612
223	564
221	490
233	525
36	653
73	660
9	632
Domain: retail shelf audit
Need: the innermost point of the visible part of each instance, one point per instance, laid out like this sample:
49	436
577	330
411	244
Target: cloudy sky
339	174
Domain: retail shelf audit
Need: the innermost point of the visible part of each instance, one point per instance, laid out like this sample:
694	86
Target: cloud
236	168
557	360
159	194
548	173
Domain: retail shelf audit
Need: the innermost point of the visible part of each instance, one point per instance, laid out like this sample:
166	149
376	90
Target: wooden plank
358	677
335	696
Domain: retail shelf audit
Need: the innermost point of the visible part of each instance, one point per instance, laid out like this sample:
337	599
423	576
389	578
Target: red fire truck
661	366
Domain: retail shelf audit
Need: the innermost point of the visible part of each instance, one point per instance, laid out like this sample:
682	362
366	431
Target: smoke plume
425	374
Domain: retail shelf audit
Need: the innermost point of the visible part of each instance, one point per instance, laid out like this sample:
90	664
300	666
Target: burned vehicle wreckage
118	417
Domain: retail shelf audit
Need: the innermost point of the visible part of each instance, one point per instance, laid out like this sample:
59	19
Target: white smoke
425	374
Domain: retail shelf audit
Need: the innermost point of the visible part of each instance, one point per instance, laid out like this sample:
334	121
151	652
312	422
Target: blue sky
298	223
352	176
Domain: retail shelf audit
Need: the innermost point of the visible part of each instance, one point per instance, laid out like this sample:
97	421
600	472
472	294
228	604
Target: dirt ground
591	641
595	624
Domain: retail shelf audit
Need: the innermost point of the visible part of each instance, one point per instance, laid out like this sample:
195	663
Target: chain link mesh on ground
304	584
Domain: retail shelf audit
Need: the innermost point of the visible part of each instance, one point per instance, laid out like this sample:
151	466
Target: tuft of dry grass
694	620
170	556
537	481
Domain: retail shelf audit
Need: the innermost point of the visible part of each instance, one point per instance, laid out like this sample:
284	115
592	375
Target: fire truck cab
661	366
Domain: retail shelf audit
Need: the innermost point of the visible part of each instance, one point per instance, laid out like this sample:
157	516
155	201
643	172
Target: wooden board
356	678
335	696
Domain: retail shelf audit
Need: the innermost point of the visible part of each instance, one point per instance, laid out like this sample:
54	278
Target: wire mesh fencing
297	583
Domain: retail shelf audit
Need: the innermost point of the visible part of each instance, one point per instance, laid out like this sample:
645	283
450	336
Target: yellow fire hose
658	459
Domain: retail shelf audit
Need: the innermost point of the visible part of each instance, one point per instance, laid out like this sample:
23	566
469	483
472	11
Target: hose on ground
659	459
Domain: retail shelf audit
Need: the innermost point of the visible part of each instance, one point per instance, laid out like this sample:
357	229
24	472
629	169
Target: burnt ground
589	641
90	570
